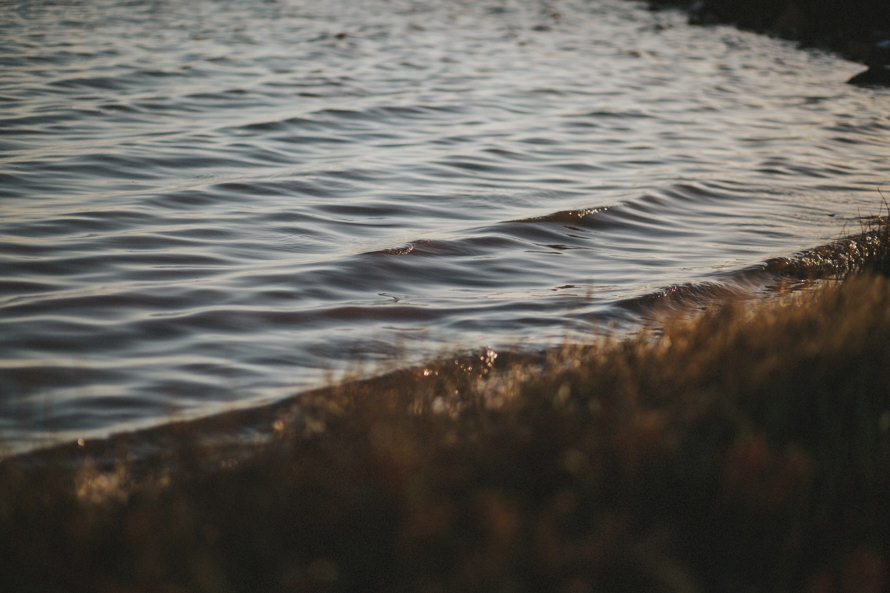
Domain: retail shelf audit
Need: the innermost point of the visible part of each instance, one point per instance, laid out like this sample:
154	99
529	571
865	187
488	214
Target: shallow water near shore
219	204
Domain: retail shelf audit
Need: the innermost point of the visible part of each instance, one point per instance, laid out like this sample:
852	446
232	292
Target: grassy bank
747	449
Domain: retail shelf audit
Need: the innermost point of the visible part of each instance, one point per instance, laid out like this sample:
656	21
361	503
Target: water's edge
233	434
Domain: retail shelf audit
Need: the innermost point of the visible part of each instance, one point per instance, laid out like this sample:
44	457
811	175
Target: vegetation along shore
745	448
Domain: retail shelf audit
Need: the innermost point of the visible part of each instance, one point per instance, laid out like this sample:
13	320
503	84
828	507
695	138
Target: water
219	203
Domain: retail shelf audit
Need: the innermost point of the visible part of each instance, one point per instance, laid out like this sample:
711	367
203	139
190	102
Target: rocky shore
859	30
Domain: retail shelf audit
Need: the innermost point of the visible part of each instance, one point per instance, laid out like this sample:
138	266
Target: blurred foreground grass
746	449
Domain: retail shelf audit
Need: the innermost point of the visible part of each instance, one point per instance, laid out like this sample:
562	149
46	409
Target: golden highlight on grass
744	449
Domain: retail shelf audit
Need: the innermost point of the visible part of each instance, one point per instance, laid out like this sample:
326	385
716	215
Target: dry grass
747	449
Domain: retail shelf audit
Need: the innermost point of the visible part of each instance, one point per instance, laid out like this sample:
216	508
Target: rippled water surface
210	204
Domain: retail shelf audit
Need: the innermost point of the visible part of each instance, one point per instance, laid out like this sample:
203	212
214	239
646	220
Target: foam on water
215	204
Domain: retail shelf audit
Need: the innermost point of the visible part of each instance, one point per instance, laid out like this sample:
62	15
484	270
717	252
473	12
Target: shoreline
747	446
831	261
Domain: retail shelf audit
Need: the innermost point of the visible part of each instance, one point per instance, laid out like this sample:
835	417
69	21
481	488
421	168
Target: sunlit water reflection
212	204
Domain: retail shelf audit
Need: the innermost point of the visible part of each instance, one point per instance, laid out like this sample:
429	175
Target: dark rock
856	29
790	22
876	75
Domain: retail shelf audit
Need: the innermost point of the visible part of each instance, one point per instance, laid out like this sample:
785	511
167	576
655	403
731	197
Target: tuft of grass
746	449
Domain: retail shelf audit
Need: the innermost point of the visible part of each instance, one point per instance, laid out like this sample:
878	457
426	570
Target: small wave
692	296
279	125
616	114
835	260
832	261
462	247
563	216
337	119
104	83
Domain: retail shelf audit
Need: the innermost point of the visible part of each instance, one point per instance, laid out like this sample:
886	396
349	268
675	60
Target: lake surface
214	204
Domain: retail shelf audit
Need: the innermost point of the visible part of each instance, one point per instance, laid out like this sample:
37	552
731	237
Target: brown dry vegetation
747	449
